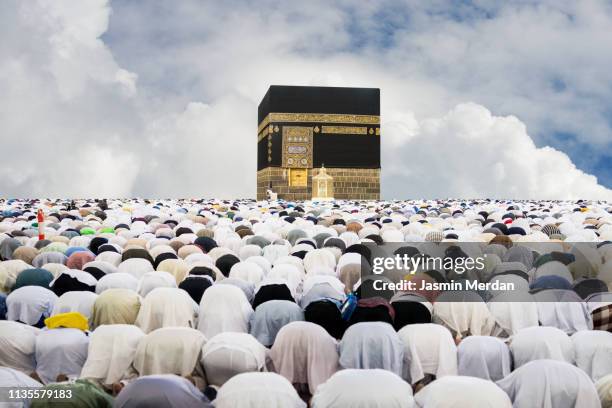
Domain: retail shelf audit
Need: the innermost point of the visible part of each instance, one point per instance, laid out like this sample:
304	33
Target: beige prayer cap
187	250
604	390
136	242
204	232
59	238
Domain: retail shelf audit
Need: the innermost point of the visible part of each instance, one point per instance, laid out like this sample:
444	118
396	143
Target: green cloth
85	394
87	231
33	277
107	230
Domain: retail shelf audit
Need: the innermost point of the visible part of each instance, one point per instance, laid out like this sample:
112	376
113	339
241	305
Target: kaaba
302	128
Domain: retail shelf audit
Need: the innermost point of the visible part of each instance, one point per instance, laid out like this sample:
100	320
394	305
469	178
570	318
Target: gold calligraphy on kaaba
297	147
344	130
319	118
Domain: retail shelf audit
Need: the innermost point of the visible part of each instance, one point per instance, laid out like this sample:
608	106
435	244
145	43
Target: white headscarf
111	257
18	345
593	352
247	271
135	267
428	349
111	352
374	388
550	384
455	391
117	280
484	357
11	378
554	268
81	301
224	308
291	274
152	280
372	345
536	343
166	307
60	351
229	354
563	309
513	312
319	258
304	353
29	303
258	390
170	350
464	318
105	267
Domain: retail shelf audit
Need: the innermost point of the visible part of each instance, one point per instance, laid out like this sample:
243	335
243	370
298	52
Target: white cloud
177	116
468	151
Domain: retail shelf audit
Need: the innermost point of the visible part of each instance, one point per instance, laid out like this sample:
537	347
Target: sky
154	98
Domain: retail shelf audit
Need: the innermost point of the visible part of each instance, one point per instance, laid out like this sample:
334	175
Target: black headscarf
272	292
375	309
410	312
95	243
587	287
203	271
107	248
360	249
137	253
66	283
206	243
162	257
195	286
225	263
326	314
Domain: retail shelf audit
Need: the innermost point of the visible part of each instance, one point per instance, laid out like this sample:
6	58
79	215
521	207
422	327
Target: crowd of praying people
135	303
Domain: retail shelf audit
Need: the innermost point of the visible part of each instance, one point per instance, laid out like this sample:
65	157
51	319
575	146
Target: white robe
152	280
258	390
484	357
111	352
170	350
593	352
459	391
11	378
60	351
372	345
229	354
464	317
29	303
117	280
76	301
304	353
428	349
373	388
550	384
166	307
224	308
537	343
18	346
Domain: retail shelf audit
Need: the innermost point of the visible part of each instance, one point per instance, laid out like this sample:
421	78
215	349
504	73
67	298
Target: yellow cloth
71	320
